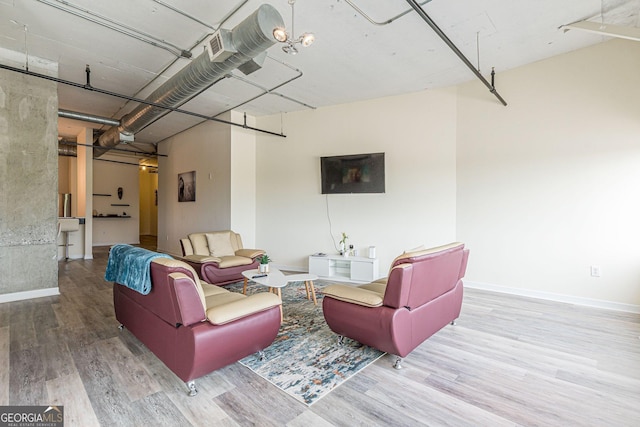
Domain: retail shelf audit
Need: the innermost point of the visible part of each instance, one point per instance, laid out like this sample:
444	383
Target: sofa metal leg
191	385
121	327
398	363
453	322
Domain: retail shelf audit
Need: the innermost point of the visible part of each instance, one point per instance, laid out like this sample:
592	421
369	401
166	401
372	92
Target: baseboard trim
550	296
19	296
72	258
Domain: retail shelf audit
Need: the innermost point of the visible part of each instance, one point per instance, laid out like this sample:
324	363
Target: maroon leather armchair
421	295
192	326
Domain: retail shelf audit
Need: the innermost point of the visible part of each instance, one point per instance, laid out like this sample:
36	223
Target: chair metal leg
261	355
191	385
453	322
340	339
398	363
121	327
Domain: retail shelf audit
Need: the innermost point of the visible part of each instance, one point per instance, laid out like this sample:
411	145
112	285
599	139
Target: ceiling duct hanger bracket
426	18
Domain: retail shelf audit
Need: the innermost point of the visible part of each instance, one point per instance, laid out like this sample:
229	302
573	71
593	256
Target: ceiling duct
229	51
67	147
74	115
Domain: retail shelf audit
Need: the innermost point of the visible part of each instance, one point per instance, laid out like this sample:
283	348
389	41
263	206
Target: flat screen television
357	173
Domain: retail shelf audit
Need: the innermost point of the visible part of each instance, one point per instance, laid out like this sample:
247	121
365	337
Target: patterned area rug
305	360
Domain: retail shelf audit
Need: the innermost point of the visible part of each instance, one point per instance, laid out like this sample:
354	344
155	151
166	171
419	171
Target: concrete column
28	186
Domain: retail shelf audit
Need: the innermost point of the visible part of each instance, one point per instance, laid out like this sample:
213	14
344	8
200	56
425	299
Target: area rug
305	360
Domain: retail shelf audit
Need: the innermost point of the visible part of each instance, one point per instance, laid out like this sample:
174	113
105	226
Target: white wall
108	176
539	191
547	187
417	133
243	181
205	149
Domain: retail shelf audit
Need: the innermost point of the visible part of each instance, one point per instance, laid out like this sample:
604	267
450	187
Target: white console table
350	269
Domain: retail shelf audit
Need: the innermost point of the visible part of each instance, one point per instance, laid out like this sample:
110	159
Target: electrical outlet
595	271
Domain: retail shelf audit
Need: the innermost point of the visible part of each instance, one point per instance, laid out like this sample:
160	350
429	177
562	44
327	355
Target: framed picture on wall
187	186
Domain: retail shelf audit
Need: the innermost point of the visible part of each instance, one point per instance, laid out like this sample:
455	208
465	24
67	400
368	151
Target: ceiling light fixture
281	34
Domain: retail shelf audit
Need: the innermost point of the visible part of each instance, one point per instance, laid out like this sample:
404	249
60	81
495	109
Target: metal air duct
247	40
67	147
74	115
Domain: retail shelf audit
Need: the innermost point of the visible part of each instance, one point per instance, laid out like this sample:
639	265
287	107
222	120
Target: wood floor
509	361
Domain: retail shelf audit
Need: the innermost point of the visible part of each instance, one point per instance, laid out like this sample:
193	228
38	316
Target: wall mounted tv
358	173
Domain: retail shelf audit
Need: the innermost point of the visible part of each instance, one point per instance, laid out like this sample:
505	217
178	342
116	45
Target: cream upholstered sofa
218	256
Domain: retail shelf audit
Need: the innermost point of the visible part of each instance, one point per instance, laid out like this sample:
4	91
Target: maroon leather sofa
194	327
422	294
218	256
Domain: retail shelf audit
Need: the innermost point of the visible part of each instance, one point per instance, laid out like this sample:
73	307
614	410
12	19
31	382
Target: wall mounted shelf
103	195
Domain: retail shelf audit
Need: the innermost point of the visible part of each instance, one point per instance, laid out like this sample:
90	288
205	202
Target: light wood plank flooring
509	361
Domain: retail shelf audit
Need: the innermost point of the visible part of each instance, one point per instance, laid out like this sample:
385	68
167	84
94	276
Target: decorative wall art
187	187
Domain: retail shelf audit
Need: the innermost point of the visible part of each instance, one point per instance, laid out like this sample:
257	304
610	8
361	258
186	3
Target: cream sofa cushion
233	261
223	298
220	244
210	290
202	258
187	249
422	251
249	253
378	286
199	244
354	295
244	306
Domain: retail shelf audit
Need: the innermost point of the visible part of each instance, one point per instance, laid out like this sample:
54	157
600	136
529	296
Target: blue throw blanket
129	266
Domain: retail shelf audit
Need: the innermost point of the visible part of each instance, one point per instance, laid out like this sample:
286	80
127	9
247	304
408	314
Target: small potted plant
264	263
343	244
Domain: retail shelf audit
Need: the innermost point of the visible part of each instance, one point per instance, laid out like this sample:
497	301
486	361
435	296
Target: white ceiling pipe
609	30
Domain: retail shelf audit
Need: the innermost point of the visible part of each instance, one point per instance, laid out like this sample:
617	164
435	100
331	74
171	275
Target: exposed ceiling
352	59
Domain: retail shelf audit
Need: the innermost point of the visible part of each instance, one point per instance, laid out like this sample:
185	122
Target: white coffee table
275	280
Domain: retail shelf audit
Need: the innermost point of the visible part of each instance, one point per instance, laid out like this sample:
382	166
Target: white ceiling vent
219	46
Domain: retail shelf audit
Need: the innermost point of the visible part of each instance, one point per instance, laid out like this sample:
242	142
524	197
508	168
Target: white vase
263	268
